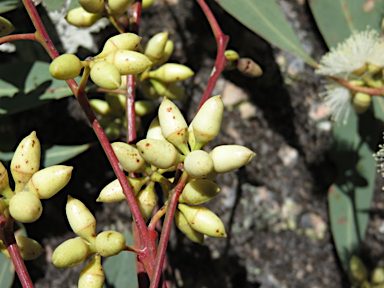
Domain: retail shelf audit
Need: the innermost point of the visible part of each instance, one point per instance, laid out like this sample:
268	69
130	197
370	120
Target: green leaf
54	155
8	5
378	107
7	272
58	154
28	85
120	270
265	18
350	196
57	5
337	19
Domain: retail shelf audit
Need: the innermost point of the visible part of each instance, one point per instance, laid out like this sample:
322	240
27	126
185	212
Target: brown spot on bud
147	144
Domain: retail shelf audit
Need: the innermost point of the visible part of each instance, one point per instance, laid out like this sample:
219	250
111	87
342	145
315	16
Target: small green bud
129	157
144	107
173	125
361	102
198	164
113	131
187	230
47	182
25	161
119	7
358	271
168	50
171	72
199	191
125	41
80	18
100	106
148	90
92	6
147	3
109	243
66	66
81	220
6	27
207	122
113	192
159	153
154	130
92	276
230	157
128	62
25	207
105	75
70	253
146	200
203	220
155	46
378	275
117	103
171	90
231	55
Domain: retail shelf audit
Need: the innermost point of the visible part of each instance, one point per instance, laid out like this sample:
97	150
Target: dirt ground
274	209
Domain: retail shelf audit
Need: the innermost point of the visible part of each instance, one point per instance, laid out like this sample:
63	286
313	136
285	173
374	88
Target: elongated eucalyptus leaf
120	270
378	107
28	85
8	5
337	19
7	272
351	195
54	155
265	18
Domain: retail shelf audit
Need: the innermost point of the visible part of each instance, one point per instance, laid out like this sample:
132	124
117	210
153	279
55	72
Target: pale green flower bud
155	46
159	153
25	207
187	230
203	220
207	122
231	55
5	190
92	276
144	107
171	72
128	62
146	200
80	18
100	106
105	75
66	66
70	253
191	137
198	164
170	90
154	130
129	157
81	220
119	7
92	6
25	161
168	50
113	131
230	157
148	90
147	3
198	191
361	102
126	41
117	103
113	192
378	275
47	182
173	125
357	270
109	243
6	27
29	249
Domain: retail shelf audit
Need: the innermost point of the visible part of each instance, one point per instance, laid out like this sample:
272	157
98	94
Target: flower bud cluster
169	142
74	251
31	185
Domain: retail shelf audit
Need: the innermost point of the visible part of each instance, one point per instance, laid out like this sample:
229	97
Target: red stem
370	91
222	41
10	38
131	114
165	232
